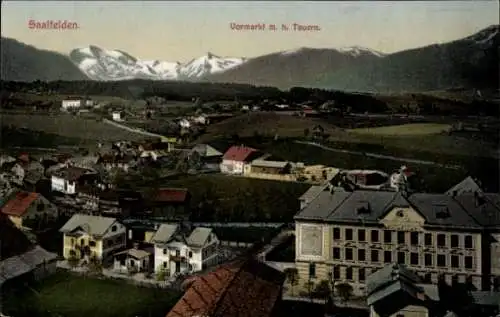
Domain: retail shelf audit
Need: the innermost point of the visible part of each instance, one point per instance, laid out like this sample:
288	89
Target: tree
306	132
309	287
344	290
95	265
292	277
161	275
73	260
322	290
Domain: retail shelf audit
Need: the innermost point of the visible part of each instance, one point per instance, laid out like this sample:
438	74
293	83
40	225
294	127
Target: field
68	295
411	129
69	126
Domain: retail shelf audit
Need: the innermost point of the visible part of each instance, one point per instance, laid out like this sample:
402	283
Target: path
379	156
130	129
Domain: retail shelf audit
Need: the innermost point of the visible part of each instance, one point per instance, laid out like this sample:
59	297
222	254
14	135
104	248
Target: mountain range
470	62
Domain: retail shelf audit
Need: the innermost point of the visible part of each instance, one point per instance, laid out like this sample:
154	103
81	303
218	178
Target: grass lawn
68	295
405	129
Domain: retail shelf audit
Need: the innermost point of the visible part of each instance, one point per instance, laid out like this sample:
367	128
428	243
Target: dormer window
441	211
363	208
114	228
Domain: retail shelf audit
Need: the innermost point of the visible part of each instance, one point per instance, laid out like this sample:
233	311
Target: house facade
70	104
67	179
133	260
180	250
268	167
345	236
27	209
236	158
85	235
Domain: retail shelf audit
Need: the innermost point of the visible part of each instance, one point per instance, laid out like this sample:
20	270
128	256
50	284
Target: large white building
344	236
178	250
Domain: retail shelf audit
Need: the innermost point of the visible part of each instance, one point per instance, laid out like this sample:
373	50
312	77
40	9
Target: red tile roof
24	157
178	195
242	288
19	204
238	153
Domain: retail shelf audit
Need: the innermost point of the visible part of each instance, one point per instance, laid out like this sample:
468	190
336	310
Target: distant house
25	208
67	105
85	236
117	116
210	158
134	260
66	180
185	124
181	250
236	158
110	161
155	150
170	203
20	259
269	167
244	288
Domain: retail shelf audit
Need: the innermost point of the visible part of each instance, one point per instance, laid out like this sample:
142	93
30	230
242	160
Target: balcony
176	258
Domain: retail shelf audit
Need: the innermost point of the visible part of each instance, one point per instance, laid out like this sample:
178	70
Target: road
379	156
135	130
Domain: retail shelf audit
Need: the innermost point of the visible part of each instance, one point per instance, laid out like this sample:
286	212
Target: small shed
133	259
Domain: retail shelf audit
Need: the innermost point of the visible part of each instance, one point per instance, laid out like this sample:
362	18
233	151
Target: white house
86	236
184	123
65	180
183	251
117	116
70	104
236	158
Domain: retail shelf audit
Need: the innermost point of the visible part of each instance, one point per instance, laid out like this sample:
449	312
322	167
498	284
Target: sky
180	31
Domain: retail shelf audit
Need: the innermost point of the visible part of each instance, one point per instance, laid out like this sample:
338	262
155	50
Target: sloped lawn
69	295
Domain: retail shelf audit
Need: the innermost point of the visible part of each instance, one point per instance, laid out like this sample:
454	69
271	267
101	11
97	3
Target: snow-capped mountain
359	50
100	64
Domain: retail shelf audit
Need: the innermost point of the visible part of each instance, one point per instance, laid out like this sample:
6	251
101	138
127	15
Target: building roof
199	236
164	233
273	164
468	185
19	204
206	150
340	206
136	253
238	153
72	173
388	274
178	195
486	298
241	288
312	193
484	207
93	225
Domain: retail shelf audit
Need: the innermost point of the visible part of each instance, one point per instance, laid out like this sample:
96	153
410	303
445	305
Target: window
177	252
336	273
400	315
414	258
132	263
387	256
401	237
348	234
209	239
455	261
361	275
348	254
387	236
312	270
454	280
348	273
165	251
441	260
468	262
454	241
361	235
468	242
40	207
441	240
414	238
374	255
428	278
336	253
164	265
109	243
428	259
428	239
336	233
401	258
361	255
374	235
190	254
114	228
92	243
122	263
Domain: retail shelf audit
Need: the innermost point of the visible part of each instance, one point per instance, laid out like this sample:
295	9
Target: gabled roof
468	185
164	233
241	288
178	195
389	274
93	225
238	153
199	236
312	193
206	150
19	204
483	207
